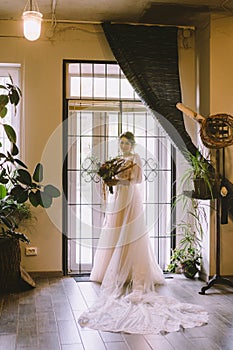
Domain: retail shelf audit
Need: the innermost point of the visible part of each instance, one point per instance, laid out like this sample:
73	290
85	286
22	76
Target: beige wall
214	71
221	101
42	109
202	106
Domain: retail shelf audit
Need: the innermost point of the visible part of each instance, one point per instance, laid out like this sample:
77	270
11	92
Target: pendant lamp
32	19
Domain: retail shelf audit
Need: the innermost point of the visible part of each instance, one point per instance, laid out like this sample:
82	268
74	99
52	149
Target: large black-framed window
99	104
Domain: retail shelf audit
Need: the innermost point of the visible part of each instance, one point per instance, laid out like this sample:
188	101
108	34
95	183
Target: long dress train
125	266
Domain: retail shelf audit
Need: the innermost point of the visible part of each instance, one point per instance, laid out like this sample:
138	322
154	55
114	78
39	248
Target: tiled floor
46	317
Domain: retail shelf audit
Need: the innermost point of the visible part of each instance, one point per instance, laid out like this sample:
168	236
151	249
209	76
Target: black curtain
148	56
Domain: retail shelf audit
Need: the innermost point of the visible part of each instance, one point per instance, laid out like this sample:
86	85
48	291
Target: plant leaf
34	198
3	178
52	191
14	149
38	173
19	194
18	235
10	132
3	112
3	191
7	222
24	177
46	201
4	99
14	96
21	163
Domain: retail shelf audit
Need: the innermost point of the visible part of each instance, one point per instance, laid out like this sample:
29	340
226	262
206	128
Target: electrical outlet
30	251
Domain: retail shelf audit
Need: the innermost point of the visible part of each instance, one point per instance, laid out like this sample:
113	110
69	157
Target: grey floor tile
92	340
49	341
72	347
136	342
68	332
111	337
157	341
7	342
117	346
46	322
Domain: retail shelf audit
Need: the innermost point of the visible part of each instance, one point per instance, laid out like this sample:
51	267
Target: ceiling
144	11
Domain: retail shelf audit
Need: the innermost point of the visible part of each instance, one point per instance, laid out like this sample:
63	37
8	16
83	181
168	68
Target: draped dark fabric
148	56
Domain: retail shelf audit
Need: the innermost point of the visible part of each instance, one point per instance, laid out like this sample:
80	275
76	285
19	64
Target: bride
125	266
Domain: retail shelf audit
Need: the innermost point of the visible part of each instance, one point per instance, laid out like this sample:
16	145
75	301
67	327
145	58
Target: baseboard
45	274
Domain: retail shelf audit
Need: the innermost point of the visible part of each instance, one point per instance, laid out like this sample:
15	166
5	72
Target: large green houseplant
17	187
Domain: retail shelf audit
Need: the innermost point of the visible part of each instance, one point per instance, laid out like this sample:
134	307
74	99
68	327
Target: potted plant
17	187
15	215
201	173
186	257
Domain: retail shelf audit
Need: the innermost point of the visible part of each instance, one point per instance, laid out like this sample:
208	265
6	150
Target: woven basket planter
13	278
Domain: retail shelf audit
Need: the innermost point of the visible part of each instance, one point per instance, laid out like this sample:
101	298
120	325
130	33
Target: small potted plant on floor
186	257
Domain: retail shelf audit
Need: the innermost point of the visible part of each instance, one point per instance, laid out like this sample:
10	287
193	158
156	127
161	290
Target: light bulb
32	24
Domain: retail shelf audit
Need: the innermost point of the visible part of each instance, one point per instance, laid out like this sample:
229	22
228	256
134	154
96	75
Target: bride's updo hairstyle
129	136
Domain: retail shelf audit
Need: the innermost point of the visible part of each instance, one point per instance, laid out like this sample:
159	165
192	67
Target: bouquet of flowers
110	168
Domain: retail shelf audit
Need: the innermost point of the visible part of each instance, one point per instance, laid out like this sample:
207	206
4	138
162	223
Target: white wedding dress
125	266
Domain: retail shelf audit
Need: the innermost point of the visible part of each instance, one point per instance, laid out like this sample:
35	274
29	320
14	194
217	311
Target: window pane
126	89
86	68
73	121
113	88
99	87
113	69
99	69
86	123
86	147
140	120
86	87
74	68
113	124
12	69
73	153
75	86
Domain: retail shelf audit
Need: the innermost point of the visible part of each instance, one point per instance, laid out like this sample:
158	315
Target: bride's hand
112	182
124	182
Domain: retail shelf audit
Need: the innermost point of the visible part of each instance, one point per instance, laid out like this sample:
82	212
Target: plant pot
202	189
189	269
12	276
9	264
